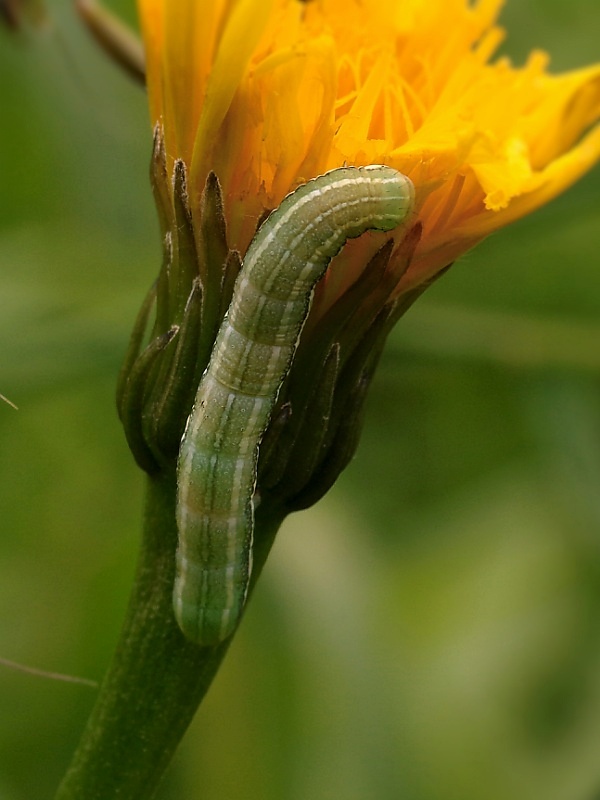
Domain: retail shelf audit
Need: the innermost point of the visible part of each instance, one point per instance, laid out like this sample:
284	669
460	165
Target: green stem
157	678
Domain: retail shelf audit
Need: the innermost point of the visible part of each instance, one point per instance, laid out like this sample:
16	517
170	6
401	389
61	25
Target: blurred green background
431	630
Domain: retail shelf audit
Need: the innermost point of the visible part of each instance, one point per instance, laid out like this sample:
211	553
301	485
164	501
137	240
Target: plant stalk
157	678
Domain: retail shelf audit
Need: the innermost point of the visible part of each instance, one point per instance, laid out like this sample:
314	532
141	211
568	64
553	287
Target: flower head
269	94
249	99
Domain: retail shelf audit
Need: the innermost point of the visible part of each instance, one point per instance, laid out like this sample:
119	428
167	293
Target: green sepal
233	265
358	323
132	401
318	339
159	180
269	446
340	452
163	316
212	244
329	327
167	406
184	266
134	347
166	217
295	438
307	450
213	257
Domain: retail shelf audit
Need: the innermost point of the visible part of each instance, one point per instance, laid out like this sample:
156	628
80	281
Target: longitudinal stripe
250	359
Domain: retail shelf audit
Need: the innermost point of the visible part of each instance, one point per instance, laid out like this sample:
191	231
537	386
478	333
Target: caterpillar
254	348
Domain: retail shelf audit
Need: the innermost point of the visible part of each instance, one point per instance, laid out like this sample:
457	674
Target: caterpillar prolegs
252	355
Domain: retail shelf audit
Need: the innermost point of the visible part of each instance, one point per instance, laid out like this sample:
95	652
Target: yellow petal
271	93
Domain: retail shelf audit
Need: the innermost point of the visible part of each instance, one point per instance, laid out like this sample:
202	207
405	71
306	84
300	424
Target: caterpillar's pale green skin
251	357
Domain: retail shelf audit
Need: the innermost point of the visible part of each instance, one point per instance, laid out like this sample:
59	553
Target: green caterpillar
252	355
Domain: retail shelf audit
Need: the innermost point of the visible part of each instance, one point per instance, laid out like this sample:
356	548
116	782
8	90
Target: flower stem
157	678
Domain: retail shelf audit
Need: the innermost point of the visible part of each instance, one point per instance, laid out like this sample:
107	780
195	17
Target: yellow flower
269	93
